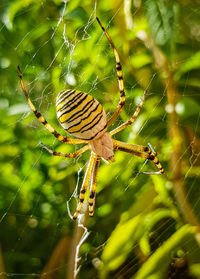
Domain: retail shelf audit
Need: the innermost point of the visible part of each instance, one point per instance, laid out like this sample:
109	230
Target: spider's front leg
120	77
132	119
43	120
92	161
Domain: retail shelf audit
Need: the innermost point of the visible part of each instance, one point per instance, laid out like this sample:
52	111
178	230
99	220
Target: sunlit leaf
162	257
15	7
120	243
190	64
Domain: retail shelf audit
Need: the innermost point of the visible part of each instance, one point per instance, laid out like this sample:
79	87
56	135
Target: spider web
60	183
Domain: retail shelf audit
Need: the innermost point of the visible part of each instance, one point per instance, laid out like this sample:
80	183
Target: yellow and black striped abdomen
80	114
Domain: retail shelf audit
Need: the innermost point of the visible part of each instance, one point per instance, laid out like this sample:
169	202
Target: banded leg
129	122
141	151
120	78
84	186
93	188
43	120
70	155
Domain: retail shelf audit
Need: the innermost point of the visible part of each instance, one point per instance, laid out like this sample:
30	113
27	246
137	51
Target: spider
83	117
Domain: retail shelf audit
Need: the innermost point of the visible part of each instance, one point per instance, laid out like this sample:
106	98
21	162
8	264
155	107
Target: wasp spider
84	117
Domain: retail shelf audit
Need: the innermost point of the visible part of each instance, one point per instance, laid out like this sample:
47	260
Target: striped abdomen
80	114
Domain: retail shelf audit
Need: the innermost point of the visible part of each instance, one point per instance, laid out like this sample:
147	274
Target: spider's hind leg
84	186
93	188
140	151
68	155
153	157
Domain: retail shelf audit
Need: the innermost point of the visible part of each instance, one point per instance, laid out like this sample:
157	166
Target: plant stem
174	133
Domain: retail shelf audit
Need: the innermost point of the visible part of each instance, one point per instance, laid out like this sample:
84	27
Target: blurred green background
145	226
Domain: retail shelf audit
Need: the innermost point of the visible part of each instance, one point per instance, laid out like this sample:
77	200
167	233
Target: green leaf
120	243
162	257
183	107
140	60
190	64
13	9
195	270
161	16
150	221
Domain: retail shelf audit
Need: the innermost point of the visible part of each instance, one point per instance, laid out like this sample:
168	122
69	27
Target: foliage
144	226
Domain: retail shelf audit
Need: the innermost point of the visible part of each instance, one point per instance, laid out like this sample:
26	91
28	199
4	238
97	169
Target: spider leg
84	186
120	77
130	121
43	120
141	151
70	155
93	188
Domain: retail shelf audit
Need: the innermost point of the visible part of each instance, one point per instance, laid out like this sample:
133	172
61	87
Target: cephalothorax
83	117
